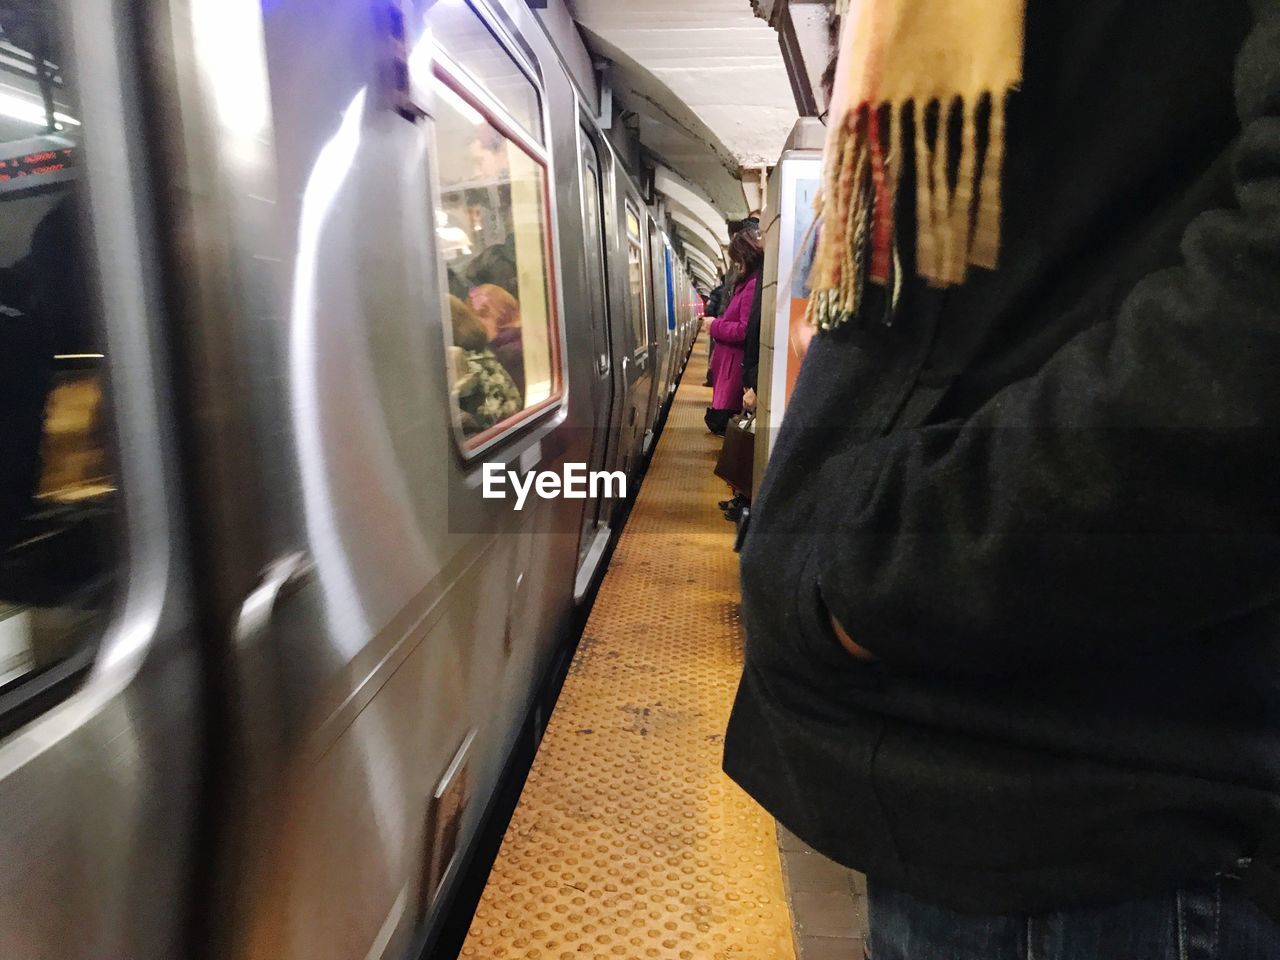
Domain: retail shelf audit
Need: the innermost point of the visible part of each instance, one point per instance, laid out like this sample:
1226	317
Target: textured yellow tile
628	841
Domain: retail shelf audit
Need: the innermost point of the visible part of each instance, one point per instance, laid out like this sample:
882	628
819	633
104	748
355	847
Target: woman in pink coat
730	330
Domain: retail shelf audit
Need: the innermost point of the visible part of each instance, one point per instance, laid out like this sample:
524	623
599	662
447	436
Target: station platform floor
628	840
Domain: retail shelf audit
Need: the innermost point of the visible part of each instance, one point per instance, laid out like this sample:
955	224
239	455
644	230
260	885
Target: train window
493	228
635	276
462	36
57	486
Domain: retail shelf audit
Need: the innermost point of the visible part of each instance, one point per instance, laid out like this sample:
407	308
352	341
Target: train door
661	314
639	372
657	304
99	694
658	300
598	511
686	300
673	327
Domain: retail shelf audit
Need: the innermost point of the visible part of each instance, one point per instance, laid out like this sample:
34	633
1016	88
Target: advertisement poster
803	242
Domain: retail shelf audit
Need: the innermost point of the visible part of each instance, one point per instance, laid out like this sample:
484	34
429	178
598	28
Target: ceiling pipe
755	189
804	38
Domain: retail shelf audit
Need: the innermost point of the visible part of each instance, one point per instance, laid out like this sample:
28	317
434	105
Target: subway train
277	279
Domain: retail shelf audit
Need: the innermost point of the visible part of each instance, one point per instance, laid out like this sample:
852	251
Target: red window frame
519	138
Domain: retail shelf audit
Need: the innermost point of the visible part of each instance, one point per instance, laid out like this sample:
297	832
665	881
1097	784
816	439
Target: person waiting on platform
716	299
730	330
1012	584
716	306
499	311
735	506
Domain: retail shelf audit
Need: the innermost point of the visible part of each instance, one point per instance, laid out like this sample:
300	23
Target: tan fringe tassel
956	226
855	224
984	246
842	207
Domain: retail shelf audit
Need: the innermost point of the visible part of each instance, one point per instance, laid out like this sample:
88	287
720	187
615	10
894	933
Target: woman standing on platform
729	332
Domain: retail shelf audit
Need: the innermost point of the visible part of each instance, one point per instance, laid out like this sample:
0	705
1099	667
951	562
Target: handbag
737	457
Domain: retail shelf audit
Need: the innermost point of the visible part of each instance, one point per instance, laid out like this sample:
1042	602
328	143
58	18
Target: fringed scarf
960	58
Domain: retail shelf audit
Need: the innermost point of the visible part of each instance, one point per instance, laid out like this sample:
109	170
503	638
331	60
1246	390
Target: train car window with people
492	226
57	485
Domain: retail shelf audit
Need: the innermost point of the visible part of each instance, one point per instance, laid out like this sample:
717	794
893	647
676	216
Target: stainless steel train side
98	789
330	638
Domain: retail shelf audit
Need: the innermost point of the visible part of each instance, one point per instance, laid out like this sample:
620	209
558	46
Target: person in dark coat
717	303
44	310
713	309
1012	584
26	376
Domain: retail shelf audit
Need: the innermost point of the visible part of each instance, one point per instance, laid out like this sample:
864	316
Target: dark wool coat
1047	501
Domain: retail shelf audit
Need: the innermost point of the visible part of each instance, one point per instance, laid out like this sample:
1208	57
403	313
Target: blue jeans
1212	921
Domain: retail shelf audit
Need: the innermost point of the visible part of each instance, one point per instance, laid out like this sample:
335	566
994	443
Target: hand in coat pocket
846	641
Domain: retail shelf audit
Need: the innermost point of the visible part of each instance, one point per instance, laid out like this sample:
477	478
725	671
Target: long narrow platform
628	840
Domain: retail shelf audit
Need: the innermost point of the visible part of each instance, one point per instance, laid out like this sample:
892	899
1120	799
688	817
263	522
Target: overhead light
18	108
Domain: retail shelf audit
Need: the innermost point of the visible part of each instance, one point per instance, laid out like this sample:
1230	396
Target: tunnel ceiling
706	81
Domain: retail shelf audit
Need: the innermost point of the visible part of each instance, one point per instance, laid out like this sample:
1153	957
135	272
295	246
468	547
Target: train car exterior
342	256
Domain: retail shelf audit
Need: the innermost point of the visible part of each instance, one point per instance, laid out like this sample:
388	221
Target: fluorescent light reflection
29	111
468	112
338	421
342	596
326	504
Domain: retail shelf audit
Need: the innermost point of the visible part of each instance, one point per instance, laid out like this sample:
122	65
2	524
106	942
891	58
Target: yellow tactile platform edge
629	841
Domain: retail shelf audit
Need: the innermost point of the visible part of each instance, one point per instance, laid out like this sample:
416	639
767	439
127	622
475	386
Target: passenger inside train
482	388
499	312
965	313
492	198
57	505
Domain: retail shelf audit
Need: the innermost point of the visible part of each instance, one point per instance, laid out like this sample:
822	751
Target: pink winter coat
728	333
